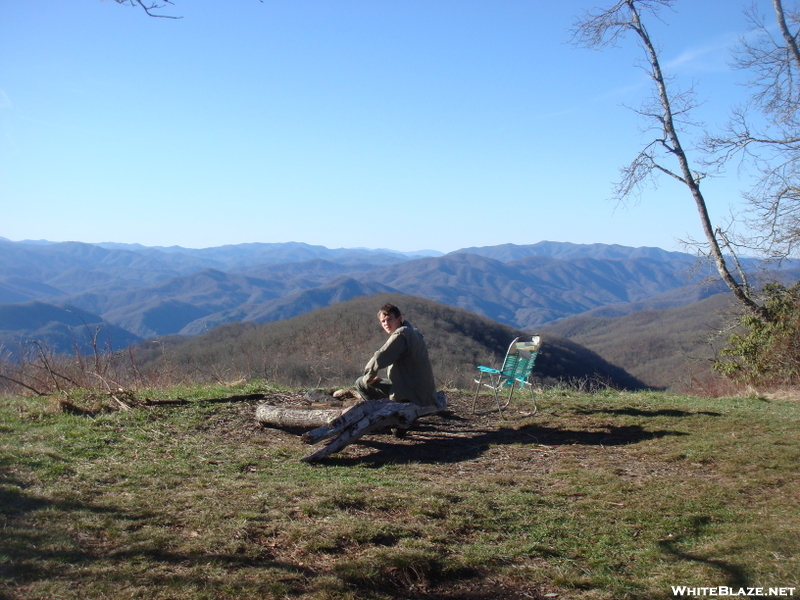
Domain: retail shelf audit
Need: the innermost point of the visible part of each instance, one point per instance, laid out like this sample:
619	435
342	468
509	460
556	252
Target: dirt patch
461	442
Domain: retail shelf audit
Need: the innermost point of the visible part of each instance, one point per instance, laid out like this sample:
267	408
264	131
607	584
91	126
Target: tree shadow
735	575
38	552
433	443
636	412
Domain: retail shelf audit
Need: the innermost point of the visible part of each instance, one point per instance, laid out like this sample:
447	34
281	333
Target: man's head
390	318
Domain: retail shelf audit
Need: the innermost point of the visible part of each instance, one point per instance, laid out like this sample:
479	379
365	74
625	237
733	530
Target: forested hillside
330	346
672	348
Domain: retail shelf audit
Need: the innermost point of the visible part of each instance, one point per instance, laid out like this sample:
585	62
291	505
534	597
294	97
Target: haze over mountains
146	292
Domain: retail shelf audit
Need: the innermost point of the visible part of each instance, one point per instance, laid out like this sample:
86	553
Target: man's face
390	323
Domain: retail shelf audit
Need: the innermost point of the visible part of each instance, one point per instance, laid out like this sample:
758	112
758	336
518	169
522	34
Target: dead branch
365	418
181	401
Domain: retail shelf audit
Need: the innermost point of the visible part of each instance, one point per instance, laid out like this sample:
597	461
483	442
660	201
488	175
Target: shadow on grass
42	542
431	442
635	412
735	576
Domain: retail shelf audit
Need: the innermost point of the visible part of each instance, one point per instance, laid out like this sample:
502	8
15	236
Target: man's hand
373	381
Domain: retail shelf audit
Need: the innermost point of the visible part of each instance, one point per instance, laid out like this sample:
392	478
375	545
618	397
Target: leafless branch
667	112
150	7
770	55
23	385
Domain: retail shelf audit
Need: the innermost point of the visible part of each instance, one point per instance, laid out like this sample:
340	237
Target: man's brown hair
389	309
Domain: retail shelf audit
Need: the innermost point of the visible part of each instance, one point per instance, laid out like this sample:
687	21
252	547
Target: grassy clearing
602	496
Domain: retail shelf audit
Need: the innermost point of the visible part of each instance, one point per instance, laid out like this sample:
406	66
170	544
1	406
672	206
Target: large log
296	418
365	418
336	425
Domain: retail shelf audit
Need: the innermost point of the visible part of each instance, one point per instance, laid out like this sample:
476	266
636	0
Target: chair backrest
520	358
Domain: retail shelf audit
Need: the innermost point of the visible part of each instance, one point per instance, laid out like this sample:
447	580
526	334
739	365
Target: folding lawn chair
515	372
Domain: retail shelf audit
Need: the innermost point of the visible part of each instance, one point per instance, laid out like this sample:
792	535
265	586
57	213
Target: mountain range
136	292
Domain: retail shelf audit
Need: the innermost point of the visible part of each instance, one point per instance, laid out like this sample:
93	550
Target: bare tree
773	146
150	7
668	114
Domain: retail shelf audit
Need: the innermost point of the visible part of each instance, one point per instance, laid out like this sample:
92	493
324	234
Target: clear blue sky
403	124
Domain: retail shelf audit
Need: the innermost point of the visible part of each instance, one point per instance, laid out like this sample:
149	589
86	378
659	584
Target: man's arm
386	356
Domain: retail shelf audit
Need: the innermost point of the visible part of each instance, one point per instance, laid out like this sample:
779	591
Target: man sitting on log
410	376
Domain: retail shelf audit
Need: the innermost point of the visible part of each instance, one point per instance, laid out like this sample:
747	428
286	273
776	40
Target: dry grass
790	395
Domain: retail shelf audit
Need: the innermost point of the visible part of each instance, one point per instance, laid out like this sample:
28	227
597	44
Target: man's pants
380	389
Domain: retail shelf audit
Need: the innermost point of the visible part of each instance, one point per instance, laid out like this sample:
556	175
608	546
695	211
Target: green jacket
409	368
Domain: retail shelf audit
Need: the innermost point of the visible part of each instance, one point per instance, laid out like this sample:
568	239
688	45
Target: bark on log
365	418
296	418
336	425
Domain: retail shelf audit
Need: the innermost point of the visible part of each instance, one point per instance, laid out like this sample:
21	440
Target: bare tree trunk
673	145
603	28
296	418
791	41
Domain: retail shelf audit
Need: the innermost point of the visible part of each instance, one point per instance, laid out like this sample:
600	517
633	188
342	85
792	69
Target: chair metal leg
494	384
533	399
479	382
497	397
510	394
521	385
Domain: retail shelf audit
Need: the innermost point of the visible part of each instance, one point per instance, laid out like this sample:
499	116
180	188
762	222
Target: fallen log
338	424
296	418
365	418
